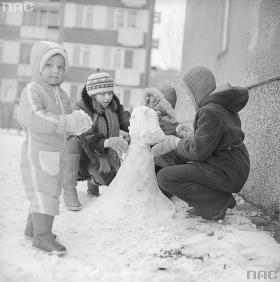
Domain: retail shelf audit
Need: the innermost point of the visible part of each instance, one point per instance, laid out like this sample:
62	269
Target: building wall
111	35
216	36
243	48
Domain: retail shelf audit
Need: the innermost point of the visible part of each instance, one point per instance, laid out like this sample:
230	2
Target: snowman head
144	126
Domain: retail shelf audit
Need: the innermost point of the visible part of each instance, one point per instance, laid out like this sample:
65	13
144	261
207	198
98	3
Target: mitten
184	130
170	143
104	165
77	122
118	144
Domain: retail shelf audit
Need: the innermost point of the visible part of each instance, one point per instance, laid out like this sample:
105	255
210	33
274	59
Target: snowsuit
48	160
106	123
209	167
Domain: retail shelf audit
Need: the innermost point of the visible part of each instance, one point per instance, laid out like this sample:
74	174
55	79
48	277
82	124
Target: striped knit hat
200	81
100	82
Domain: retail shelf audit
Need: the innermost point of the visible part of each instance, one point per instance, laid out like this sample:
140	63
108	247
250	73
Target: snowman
134	194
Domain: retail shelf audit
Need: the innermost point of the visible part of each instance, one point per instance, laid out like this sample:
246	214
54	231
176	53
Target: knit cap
200	81
169	94
98	83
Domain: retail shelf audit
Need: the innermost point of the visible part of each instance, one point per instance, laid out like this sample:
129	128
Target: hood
91	105
40	54
234	99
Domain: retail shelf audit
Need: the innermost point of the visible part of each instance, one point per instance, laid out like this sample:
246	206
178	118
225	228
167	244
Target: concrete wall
261	124
264	44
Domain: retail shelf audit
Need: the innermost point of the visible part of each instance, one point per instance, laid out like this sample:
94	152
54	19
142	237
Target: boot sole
52	253
74	208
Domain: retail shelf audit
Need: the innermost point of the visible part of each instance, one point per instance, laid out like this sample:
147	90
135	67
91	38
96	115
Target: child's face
54	70
104	99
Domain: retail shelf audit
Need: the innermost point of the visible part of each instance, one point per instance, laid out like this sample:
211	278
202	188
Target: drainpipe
149	42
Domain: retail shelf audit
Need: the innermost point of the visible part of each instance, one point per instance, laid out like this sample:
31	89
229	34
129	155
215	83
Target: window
120	18
76	55
81	56
128	58
89	16
79	16
54	19
30	18
107	57
25	50
117	58
110	18
132	15
86	56
42	18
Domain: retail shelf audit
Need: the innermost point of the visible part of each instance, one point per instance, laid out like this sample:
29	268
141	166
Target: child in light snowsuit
102	143
48	161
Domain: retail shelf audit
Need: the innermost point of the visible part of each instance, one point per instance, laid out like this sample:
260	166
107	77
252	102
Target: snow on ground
182	249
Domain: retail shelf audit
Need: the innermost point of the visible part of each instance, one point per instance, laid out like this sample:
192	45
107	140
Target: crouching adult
213	163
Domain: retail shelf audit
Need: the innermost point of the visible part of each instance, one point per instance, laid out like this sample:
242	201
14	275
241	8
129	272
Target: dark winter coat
217	145
113	119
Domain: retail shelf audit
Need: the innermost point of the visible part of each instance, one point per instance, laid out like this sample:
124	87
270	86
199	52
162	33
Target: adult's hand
170	143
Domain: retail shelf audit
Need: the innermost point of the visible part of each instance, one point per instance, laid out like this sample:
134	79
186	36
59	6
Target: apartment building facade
110	35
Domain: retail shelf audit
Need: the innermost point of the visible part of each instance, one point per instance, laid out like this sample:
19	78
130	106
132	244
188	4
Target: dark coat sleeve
123	115
205	140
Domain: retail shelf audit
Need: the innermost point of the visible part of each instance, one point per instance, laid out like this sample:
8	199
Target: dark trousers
193	185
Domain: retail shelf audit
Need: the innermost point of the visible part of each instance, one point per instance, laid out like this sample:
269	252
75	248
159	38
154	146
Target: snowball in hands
77	122
170	143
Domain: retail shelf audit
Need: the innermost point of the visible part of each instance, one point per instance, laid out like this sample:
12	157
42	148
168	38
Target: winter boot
70	174
93	189
231	202
28	232
43	237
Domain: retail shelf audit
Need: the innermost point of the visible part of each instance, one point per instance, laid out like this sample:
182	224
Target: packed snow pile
134	196
103	248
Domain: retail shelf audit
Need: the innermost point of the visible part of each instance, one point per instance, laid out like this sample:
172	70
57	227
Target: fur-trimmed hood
234	99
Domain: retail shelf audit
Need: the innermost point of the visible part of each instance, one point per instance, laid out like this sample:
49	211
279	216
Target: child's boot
93	189
70	174
28	232
43	238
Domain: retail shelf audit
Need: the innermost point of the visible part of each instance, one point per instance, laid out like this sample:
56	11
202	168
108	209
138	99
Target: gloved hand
125	136
118	144
184	130
104	165
77	122
170	143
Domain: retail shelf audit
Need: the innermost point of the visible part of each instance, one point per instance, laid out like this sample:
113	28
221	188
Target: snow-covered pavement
180	249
